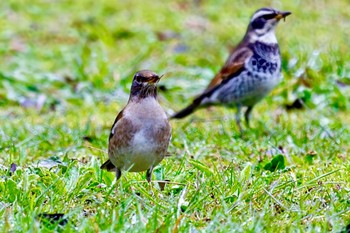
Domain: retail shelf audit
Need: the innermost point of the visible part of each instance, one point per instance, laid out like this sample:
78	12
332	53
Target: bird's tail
109	166
187	111
199	102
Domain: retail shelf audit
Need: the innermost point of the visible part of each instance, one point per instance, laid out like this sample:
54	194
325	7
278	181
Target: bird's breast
146	108
147	147
266	59
148	144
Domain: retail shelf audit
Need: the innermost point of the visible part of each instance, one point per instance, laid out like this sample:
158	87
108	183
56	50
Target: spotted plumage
251	71
140	135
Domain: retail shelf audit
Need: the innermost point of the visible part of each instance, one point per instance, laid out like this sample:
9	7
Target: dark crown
146	76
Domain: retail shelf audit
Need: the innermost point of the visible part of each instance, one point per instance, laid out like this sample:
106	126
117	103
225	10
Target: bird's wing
119	137
233	66
163	136
122	132
119	116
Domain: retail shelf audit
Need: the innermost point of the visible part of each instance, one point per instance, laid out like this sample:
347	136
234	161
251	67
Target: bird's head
263	22
144	84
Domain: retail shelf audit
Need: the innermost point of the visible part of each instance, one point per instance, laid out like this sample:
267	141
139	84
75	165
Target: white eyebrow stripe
261	13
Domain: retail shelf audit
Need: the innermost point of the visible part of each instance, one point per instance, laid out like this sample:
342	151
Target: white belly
143	153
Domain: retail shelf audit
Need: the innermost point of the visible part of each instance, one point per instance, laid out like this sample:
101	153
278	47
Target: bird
141	132
251	71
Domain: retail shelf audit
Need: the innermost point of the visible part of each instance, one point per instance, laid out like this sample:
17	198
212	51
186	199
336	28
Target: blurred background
65	72
58	53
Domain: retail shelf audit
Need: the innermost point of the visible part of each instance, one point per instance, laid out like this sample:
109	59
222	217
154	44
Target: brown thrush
141	132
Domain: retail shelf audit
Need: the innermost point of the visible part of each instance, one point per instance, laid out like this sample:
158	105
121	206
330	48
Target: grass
66	71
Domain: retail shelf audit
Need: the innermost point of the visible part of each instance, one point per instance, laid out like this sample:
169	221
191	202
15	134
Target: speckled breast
262	73
265	60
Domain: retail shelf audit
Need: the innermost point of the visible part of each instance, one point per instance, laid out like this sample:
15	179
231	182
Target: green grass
66	71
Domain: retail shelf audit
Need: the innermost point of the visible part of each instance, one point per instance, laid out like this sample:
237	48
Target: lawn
66	70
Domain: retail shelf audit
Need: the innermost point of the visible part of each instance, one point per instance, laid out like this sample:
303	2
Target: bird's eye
269	16
138	79
258	23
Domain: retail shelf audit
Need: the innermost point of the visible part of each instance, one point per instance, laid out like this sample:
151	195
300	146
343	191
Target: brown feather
162	137
123	134
120	115
234	63
120	138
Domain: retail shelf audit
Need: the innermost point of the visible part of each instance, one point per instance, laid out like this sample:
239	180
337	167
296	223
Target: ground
66	70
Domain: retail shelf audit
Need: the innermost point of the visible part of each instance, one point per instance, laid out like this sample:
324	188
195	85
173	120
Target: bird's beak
282	15
154	79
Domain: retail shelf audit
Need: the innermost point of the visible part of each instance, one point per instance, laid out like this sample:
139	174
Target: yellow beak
282	14
154	79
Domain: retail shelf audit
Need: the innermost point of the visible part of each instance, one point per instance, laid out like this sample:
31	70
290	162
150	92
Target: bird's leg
149	174
247	115
149	178
118	174
238	119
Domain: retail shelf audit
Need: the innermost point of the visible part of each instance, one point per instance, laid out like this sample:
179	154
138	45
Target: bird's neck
139	92
266	38
138	99
144	108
